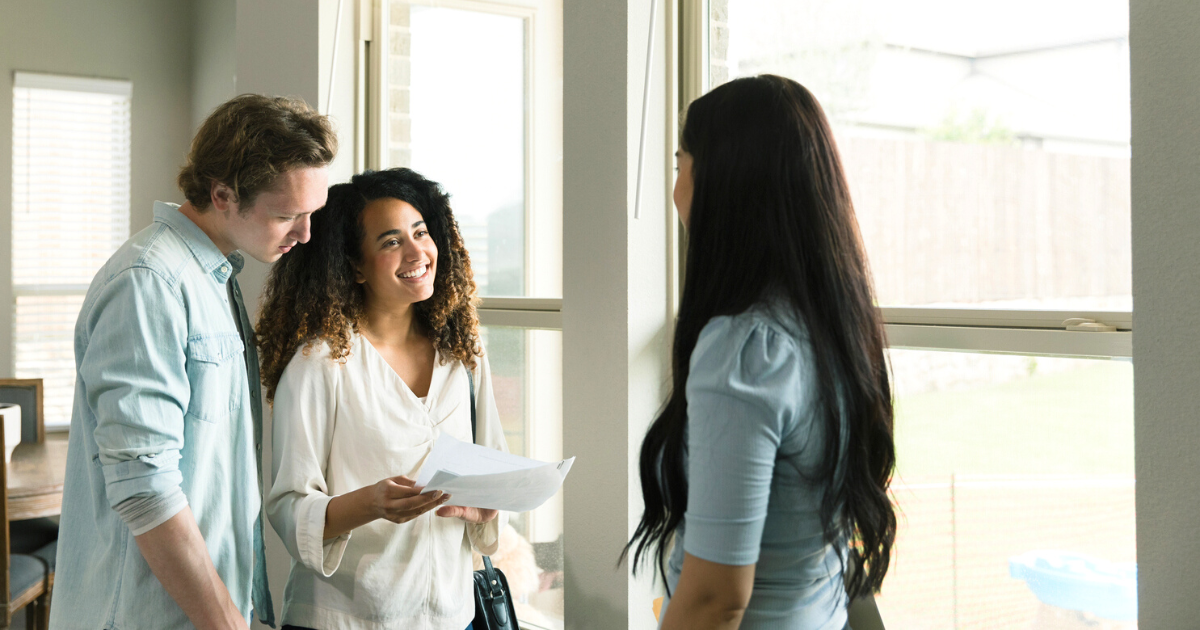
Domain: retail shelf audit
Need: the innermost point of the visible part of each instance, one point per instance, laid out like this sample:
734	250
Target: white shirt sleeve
485	537
303	420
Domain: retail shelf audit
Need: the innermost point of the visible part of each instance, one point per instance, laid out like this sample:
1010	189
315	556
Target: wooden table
35	479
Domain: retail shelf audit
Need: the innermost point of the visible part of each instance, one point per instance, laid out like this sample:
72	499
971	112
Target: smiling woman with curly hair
315	296
370	350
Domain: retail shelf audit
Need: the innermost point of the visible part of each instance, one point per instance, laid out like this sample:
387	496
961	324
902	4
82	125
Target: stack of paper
477	476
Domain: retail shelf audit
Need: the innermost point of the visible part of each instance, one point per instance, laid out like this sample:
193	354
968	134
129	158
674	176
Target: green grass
1074	422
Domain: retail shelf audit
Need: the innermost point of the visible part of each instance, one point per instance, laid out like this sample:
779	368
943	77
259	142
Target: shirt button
224	269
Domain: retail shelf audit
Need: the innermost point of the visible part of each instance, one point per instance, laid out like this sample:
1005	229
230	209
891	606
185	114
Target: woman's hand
398	500
395	499
468	514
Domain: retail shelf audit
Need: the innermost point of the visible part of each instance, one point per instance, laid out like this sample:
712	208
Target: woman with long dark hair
774	451
370	346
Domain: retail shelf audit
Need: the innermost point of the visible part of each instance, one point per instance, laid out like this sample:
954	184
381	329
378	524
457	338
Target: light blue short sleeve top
755	437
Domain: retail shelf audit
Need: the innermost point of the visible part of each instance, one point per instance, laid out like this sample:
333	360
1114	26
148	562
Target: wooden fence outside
950	566
968	223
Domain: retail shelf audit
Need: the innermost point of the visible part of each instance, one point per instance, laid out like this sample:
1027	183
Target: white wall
214	56
147	42
1165	65
615	300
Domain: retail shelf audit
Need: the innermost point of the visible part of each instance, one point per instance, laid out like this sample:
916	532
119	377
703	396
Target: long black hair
771	214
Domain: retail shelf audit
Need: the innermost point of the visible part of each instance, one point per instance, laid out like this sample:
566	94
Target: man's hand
468	514
179	559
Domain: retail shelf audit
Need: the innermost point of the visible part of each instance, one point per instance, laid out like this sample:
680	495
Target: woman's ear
358	274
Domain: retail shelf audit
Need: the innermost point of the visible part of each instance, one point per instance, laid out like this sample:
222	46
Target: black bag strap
494	592
493	580
471	382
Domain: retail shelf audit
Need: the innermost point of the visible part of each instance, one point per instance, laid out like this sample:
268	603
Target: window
987	151
999	457
470	103
468	94
527	373
71	156
478	153
986	145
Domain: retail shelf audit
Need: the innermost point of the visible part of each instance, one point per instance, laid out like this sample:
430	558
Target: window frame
375	19
1005	331
521	312
530	312
525	313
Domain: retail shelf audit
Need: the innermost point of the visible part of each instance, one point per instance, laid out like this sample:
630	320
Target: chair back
26	392
5	582
33	577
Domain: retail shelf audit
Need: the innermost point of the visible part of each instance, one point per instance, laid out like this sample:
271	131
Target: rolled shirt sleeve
302	434
135	375
736	423
158	497
485	537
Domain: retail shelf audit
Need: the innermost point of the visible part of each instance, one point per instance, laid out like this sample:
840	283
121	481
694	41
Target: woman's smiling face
399	257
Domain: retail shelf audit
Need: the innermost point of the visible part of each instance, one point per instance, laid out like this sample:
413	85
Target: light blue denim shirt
755	436
167	414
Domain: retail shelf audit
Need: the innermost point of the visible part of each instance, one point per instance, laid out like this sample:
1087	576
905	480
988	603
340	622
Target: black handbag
493	601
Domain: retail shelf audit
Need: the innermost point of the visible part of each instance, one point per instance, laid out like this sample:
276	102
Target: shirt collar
203	249
237	262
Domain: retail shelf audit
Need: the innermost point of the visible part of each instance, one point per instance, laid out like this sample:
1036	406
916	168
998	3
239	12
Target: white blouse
338	428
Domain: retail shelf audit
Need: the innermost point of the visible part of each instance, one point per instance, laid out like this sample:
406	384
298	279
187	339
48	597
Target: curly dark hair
311	293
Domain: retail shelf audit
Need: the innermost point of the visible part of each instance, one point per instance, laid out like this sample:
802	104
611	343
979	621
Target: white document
477	476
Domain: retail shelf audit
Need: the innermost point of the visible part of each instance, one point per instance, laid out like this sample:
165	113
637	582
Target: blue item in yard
1077	582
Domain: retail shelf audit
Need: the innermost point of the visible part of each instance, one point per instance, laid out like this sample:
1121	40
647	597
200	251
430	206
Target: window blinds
71	162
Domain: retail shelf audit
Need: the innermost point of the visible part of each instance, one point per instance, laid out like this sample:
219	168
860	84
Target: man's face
279	217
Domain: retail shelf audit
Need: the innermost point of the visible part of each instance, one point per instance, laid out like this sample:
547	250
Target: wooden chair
29	546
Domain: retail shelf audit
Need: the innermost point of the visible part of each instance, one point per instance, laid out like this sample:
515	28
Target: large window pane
1001	459
457	104
986	143
527	372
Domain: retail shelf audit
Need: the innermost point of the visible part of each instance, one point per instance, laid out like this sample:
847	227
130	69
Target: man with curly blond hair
161	522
